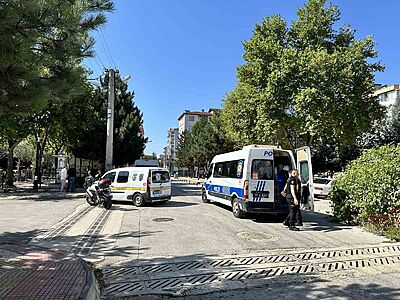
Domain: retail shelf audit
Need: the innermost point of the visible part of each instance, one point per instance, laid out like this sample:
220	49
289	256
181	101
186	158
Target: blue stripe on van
224	190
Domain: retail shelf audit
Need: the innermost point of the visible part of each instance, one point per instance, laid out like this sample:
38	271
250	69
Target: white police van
251	179
140	184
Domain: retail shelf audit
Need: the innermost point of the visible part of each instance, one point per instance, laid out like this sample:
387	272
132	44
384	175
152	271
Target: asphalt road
188	248
185	226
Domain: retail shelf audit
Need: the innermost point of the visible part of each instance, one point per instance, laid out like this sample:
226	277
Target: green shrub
369	189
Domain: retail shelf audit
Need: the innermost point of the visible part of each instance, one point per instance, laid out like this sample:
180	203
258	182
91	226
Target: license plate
261	195
155	193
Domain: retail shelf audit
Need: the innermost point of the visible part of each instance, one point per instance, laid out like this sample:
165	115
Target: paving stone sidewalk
24	191
31	272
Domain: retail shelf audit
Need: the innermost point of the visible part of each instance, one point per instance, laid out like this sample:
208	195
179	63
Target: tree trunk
10	162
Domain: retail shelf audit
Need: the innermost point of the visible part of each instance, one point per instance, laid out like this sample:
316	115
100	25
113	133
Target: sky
183	54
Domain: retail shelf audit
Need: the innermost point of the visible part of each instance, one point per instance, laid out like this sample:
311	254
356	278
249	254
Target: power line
97	59
91	64
106	48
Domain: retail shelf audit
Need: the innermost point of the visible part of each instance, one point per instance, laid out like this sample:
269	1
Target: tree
207	139
42	47
90	141
129	142
383	132
184	151
303	81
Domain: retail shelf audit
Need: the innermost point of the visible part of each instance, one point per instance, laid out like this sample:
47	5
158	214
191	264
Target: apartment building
389	96
188	118
170	150
172	142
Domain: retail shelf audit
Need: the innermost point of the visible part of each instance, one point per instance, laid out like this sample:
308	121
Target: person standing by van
294	197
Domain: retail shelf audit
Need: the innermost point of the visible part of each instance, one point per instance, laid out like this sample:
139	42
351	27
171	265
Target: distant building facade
188	118
388	96
170	150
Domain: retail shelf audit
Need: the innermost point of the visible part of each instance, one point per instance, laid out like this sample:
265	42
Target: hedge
368	192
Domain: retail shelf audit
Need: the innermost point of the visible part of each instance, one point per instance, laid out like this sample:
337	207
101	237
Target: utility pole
110	120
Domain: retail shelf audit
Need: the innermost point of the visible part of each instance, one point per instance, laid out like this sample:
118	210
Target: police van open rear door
303	158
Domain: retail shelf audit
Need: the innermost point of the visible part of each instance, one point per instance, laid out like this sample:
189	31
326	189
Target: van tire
138	199
236	210
204	197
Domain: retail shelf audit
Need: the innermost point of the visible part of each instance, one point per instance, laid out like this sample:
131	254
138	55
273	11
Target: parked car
322	186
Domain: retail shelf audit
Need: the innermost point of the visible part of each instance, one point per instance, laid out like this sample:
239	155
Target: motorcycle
100	193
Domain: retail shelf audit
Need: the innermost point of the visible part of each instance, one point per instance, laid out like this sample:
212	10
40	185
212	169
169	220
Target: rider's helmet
104	183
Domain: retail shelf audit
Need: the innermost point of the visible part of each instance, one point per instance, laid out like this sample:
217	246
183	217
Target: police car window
134	176
262	169
141	177
110	175
159	176
123	176
229	169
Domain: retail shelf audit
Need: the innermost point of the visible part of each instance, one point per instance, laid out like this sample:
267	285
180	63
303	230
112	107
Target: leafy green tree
42	44
89	141
184	151
383	132
129	142
303	81
25	151
207	139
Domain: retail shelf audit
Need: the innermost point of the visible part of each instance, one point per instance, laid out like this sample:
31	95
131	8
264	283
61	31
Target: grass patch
391	232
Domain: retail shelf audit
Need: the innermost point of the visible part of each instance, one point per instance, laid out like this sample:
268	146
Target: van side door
120	187
304	166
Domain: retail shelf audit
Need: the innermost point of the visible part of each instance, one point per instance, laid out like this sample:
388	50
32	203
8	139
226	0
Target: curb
91	290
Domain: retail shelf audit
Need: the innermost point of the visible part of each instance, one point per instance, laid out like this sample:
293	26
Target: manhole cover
257	237
159	220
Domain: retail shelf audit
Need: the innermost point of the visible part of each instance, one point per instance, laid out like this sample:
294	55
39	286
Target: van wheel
138	199
204	198
236	210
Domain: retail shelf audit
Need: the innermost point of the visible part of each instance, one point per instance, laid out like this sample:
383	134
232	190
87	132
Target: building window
191	118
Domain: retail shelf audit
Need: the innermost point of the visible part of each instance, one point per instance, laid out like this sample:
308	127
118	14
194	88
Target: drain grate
179	281
169	277
63	227
85	245
248	261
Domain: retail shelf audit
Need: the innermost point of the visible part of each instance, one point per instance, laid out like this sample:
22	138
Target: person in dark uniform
294	197
71	174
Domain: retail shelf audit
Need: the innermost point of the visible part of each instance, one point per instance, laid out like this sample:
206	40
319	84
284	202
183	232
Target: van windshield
159	176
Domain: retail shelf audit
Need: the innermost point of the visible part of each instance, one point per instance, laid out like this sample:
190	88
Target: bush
369	190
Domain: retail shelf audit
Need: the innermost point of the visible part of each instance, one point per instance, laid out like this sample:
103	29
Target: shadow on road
313	221
93	246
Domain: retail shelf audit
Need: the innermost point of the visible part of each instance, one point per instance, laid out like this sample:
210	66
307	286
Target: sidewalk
189	180
30	272
25	191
